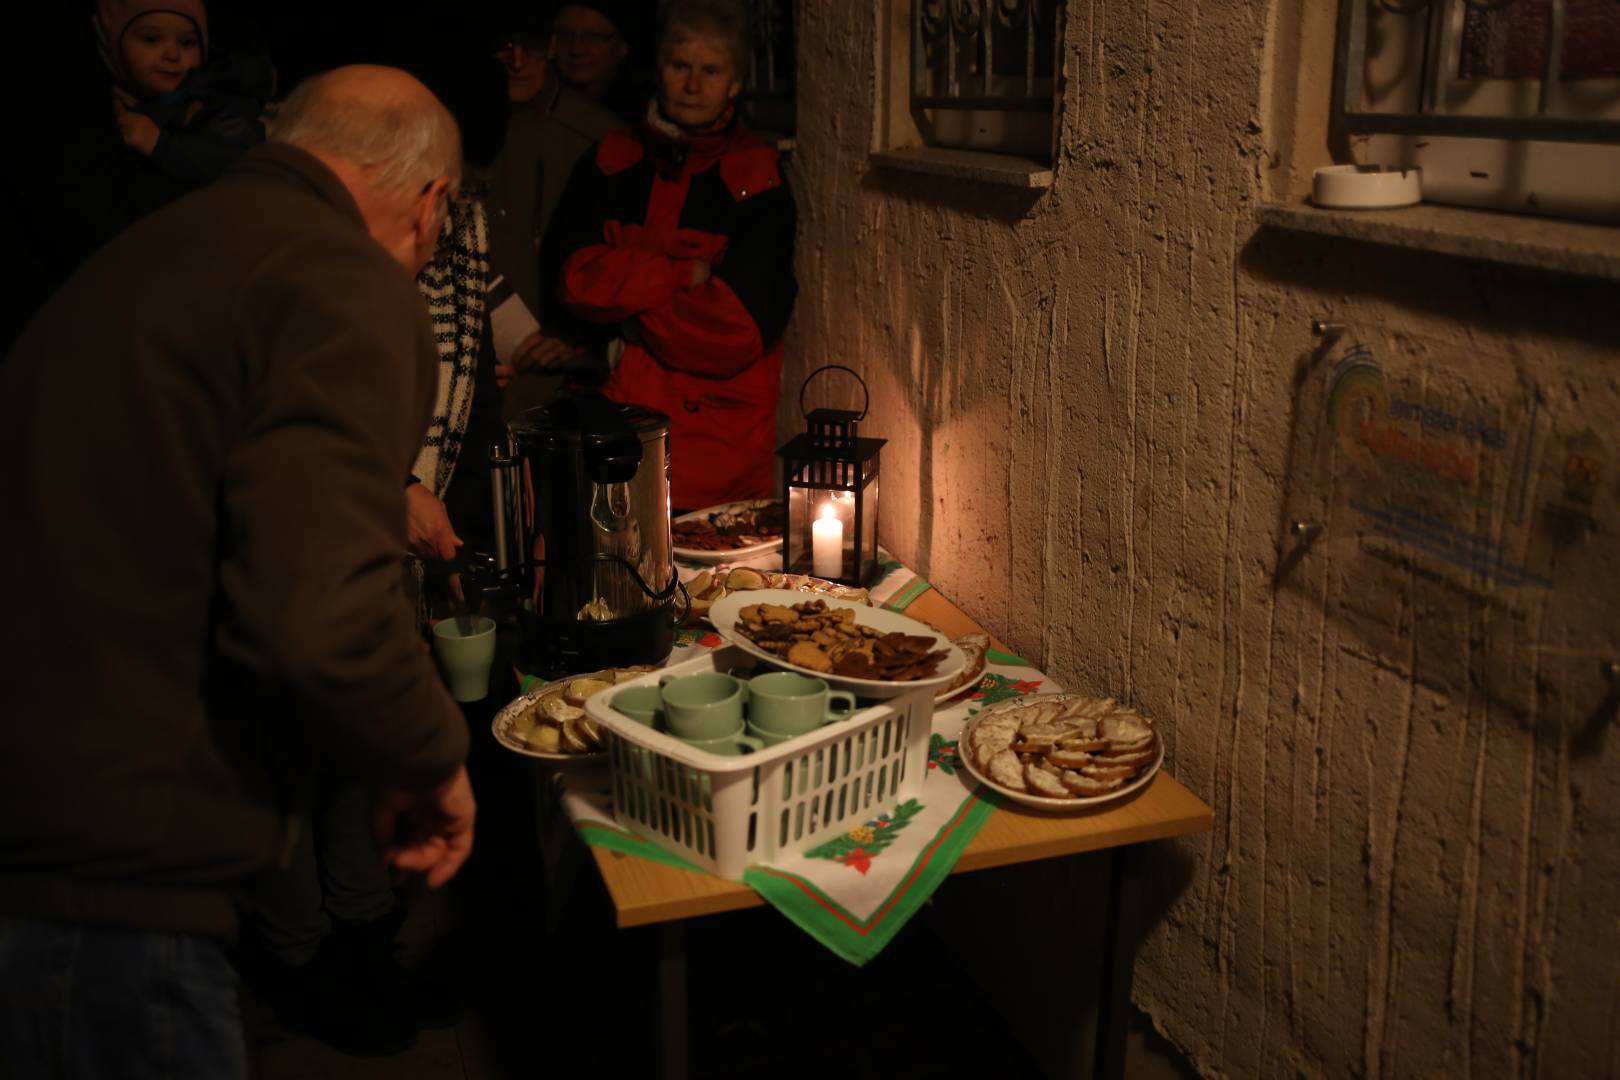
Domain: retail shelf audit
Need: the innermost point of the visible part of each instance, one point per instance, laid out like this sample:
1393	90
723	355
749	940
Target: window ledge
1004	170
1567	247
784	144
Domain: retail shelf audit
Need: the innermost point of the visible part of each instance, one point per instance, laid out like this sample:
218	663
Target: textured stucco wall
1103	408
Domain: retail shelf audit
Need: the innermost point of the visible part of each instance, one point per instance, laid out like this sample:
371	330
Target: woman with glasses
677	234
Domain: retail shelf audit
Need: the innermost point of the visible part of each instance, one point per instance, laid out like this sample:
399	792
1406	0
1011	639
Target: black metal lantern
830	476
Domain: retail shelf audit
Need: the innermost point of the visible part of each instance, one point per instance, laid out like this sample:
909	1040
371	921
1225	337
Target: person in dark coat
189	111
202	440
593	51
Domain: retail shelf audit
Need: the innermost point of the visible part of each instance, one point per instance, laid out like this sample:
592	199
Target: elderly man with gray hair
203	437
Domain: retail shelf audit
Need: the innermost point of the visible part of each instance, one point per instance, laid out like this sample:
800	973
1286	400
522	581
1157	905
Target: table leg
1122	923
560	854
672	999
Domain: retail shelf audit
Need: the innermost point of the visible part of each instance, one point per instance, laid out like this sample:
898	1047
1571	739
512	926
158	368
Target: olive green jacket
202	437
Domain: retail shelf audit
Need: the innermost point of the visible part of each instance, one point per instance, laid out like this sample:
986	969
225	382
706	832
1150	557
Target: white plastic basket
725	813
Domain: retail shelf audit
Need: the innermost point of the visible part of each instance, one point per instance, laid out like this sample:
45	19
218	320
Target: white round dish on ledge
1366	187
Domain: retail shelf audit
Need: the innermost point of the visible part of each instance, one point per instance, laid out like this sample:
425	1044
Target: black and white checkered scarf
454	285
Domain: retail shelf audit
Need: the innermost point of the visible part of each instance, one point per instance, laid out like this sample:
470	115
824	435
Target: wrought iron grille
1555	42
983	54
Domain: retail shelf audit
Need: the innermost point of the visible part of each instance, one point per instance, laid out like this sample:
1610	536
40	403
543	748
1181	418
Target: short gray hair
724	21
403	143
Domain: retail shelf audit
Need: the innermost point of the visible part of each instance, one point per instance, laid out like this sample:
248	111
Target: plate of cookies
871	652
739	530
1061	751
549	722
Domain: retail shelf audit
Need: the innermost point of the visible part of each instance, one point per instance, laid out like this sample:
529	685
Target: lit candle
827	544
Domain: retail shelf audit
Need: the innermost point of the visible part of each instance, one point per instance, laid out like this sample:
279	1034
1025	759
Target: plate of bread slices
549	722
716	583
1061	751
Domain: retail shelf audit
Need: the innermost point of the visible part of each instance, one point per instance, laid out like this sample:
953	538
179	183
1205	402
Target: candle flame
827	511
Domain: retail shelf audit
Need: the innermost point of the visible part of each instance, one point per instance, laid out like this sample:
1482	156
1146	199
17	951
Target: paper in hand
510	320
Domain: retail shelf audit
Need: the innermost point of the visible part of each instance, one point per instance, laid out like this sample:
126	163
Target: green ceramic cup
466	651
643	704
769	738
706	706
785	703
729	745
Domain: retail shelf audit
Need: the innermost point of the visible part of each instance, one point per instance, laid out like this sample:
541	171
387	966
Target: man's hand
537	351
428	526
700	273
426	832
138	130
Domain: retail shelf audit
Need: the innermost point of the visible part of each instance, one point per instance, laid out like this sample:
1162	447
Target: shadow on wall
1007	205
927	314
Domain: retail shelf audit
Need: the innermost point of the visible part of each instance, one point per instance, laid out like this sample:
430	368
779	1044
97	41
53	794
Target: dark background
307	36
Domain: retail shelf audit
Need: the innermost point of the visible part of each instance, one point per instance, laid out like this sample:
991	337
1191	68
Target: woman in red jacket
679	233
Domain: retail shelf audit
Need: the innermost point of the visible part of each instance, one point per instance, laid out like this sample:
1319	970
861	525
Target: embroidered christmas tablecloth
852	893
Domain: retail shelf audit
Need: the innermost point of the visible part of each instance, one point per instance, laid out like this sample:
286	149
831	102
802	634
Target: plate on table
542	706
725	615
711	585
735	515
1057	709
976	649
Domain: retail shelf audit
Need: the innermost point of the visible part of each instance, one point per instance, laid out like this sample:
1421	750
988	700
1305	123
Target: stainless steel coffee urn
581	492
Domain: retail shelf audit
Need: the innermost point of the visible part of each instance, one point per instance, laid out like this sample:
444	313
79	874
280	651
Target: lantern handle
866	394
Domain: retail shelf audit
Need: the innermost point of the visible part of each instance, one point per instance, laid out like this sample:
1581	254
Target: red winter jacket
636	216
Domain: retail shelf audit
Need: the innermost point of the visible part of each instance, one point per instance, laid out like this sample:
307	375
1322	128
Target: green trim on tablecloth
996	656
602	835
908	595
830	923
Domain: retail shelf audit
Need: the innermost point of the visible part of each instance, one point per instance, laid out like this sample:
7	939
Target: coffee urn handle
506	492
686	603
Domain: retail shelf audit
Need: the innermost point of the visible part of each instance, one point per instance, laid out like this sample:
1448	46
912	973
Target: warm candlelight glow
827	543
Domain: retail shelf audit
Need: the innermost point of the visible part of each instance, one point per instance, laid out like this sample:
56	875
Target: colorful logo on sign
1376	427
1356	394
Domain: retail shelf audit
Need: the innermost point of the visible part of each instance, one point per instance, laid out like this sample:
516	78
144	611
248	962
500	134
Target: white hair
403	142
724	22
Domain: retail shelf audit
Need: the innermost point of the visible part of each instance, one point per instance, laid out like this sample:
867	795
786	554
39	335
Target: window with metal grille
767	100
982	73
1511	104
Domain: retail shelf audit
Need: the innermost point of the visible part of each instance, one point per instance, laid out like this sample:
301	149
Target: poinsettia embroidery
697	636
942	754
860	845
994	688
856	859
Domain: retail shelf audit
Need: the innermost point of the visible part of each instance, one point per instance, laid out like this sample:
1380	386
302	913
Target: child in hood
187	111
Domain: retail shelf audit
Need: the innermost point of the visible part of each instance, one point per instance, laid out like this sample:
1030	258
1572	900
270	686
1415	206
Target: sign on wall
1469	507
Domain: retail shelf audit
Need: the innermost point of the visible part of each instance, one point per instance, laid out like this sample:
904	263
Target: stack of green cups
784	705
